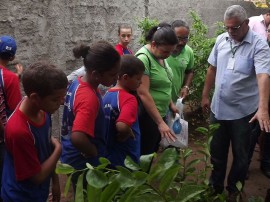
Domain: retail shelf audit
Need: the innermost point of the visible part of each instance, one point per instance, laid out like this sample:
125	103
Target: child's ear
35	98
95	75
12	58
125	76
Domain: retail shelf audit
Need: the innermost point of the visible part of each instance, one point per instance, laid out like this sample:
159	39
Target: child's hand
121	137
19	69
56	144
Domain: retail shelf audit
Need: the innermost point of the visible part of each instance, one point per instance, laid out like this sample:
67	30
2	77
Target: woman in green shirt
155	90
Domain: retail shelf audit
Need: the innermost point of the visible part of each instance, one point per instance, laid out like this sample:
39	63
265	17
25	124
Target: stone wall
49	29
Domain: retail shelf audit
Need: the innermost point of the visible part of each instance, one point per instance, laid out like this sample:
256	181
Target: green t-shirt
160	80
179	65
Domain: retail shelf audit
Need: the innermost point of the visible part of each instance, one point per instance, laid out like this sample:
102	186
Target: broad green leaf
139	177
204	152
68	182
96	178
125	177
62	168
168	178
129	163
93	194
110	191
189	192
79	189
127	196
146	161
168	158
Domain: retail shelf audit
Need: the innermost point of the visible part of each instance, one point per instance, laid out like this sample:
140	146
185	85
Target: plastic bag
179	127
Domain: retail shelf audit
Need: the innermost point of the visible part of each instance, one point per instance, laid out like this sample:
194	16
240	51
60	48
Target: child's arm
123	132
56	192
81	142
48	166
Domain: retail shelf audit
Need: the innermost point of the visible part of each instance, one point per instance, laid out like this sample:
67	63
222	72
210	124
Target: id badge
231	63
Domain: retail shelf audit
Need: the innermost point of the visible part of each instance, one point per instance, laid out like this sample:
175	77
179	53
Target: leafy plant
145	25
169	176
202	45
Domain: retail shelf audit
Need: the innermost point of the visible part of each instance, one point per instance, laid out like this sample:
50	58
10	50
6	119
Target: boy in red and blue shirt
31	152
121	109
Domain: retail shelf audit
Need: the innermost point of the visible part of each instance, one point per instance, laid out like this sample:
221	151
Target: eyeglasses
185	39
268	30
234	28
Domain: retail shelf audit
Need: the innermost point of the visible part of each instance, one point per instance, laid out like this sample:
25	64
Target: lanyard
233	49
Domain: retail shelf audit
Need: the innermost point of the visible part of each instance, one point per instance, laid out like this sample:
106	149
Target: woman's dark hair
131	66
43	78
162	34
101	56
179	23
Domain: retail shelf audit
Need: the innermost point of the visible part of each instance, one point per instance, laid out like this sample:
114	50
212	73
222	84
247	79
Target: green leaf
103	163
93	194
129	163
125	177
168	158
239	186
96	178
103	160
193	163
146	161
79	189
110	191
68	182
139	177
187	153
189	192
202	130
88	165
148	197
62	168
168	178
127	196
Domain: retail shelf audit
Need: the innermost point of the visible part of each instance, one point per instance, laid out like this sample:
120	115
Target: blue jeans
238	134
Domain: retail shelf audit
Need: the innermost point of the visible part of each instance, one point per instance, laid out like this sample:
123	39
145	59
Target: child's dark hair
179	23
6	56
101	56
43	78
162	34
124	26
131	66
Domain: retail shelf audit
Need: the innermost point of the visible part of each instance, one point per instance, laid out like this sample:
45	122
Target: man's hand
19	69
263	119
166	132
205	104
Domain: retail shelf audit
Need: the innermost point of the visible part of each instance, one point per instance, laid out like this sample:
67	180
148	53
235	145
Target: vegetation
170	176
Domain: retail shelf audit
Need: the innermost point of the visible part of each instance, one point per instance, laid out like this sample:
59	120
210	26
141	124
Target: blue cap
8	45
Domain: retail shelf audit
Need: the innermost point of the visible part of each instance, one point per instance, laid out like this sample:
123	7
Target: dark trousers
265	161
150	135
238	134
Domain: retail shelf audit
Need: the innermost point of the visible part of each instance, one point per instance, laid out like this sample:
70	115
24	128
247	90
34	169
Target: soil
256	185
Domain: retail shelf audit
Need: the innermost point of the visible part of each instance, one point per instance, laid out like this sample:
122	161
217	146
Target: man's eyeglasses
185	39
234	28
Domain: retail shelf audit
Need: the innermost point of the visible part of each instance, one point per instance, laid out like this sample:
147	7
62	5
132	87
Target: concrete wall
49	29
